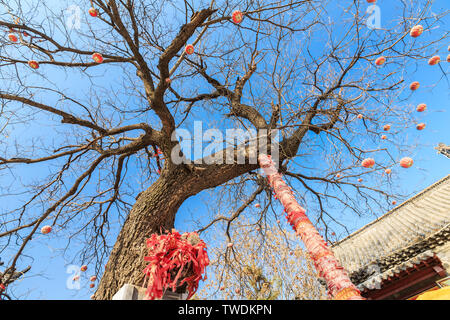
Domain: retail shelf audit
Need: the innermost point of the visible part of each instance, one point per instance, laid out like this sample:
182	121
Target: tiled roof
399	237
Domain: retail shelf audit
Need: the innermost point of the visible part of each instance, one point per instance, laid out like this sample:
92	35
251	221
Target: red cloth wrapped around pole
338	282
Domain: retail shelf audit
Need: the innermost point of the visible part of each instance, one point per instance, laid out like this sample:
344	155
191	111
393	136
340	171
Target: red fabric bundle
174	260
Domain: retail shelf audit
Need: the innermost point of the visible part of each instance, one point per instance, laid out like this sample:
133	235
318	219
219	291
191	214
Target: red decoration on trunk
339	285
406	162
46	229
368	163
416	31
189	49
380	61
415	85
97	57
434	60
174	260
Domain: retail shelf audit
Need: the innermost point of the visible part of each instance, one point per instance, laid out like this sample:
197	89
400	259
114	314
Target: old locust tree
88	109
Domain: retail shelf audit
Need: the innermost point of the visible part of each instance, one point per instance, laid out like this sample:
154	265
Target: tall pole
338	282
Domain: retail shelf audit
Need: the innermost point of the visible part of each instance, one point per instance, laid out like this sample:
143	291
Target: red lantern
97	57
93	12
83	268
371	1
421	107
46	229
76	278
384	137
448	58
237	16
91	285
189	49
415	85
33	64
387	127
93	278
257	205
394	202
2	287
360	180
416	31
420	126
388	171
434	60
368	163
406	162
359	116
12	37
338	175
380	61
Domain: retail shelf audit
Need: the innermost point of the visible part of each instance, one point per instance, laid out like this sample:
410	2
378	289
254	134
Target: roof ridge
390	212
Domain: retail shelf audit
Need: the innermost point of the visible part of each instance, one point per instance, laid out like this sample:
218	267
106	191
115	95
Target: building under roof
404	252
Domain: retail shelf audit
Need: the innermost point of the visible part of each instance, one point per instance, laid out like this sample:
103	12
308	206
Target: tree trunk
154	211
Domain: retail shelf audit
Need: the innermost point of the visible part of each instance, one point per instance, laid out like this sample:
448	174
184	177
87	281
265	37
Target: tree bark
154	211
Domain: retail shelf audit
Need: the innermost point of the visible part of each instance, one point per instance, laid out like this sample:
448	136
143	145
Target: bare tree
262	264
92	131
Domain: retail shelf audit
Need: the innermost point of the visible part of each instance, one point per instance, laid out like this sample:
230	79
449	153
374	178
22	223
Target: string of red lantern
338	282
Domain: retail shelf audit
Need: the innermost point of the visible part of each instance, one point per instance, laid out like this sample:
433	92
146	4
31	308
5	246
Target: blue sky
50	267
